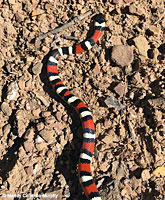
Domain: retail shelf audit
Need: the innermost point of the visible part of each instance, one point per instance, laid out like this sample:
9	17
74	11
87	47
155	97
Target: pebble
163	22
58	115
50	120
29	135
10	142
154	30
36	112
142	45
22	121
49	153
36	69
29	59
42	99
29	170
122	55
133	9
13	91
116	1
6	109
58	127
128	1
46	114
47	135
40	126
6	129
112	102
145	175
28	146
39	140
37	12
120	89
96	69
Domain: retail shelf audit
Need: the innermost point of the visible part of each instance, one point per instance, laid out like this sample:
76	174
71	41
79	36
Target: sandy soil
121	80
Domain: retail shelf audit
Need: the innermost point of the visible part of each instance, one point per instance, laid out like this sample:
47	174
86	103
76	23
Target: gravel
121	80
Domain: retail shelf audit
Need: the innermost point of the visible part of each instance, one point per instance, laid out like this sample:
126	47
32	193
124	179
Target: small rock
120	89
12	93
96	69
36	69
49	153
112	102
58	126
154	30
46	114
135	10
116	40
58	115
39	139
37	12
116	1
36	112
21	84
10	142
6	129
28	146
142	45
10	29
50	120
163	22
19	17
22	121
6	109
29	135
29	59
122	55
40	126
47	135
35	168
128	1
145	175
65	118
29	170
41	146
42	99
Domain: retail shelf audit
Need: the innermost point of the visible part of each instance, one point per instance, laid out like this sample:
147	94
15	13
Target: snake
88	127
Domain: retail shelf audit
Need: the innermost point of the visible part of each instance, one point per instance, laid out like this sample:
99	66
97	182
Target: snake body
88	127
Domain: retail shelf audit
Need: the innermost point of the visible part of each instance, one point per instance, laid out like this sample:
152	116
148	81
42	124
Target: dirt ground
121	80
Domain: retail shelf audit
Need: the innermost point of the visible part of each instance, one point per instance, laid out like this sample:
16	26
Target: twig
69	37
73	22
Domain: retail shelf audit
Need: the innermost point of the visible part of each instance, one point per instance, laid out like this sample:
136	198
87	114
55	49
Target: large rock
122	55
142	45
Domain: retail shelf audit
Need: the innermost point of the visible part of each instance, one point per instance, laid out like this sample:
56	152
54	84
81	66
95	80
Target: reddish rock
120	89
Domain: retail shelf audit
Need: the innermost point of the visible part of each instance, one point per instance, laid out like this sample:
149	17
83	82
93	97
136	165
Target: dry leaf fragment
159	171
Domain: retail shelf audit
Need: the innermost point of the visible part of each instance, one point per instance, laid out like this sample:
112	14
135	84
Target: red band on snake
88	127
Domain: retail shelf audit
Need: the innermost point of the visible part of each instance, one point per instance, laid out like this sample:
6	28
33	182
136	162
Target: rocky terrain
121	80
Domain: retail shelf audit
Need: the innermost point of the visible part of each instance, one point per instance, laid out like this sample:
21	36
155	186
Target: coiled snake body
88	127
